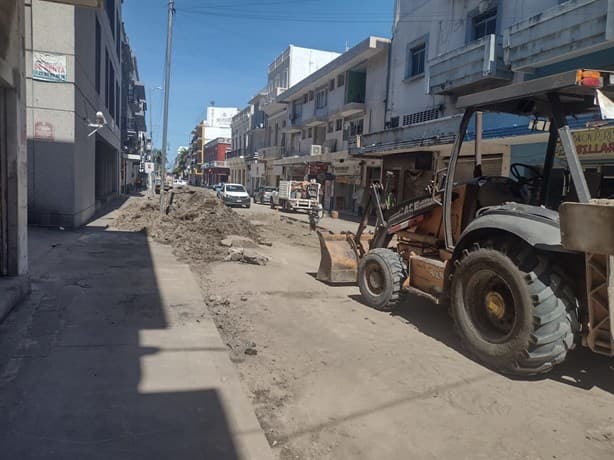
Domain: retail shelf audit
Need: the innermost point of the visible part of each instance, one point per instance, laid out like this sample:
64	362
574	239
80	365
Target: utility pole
167	81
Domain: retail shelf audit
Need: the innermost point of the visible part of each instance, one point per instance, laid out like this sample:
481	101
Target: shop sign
592	142
347	169
355	180
49	67
44	130
317	168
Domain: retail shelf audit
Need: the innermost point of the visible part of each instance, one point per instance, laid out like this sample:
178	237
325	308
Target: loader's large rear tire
381	273
513	312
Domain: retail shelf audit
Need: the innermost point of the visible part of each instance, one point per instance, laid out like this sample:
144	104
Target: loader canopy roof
576	91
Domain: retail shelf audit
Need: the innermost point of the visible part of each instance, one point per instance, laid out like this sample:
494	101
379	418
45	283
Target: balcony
273	152
235	154
571	29
461	71
419	136
215	164
316	118
350	109
271	105
294	124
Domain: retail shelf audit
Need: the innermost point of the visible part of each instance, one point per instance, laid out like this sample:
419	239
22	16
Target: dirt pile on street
195	225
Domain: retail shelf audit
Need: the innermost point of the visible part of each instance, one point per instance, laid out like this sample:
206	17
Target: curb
12	291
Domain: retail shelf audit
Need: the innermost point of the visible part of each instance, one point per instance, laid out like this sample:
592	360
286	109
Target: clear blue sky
221	48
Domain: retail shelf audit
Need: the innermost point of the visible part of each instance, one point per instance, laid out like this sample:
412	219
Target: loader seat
495	190
488	191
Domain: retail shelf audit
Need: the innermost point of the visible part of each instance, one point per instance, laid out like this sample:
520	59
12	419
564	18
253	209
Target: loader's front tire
381	273
512	312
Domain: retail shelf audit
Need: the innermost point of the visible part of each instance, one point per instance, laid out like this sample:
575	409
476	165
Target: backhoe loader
526	277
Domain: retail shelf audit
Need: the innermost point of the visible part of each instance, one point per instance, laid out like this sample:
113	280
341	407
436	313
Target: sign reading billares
49	67
597	142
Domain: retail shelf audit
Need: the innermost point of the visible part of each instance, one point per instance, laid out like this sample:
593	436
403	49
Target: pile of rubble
195	225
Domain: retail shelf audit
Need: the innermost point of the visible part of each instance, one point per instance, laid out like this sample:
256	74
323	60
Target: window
118	36
416	59
117	103
310	132
356	127
331	127
420	117
110	7
311	95
306	98
97	57
331	85
298	110
339	126
340	80
484	24
321	99
304	134
106	76
110	86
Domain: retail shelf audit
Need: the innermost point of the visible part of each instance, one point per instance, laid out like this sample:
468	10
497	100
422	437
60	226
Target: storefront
595	148
348	188
257	175
216	175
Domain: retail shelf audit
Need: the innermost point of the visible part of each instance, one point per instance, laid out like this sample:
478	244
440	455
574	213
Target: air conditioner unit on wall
316	150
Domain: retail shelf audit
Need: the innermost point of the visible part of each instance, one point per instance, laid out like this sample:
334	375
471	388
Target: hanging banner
49	67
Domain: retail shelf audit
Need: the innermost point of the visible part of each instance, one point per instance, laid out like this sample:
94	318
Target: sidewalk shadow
582	369
83	385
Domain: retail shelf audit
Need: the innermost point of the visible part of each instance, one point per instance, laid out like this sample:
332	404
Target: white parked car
235	195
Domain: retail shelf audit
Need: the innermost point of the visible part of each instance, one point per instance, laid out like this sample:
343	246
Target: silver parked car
264	195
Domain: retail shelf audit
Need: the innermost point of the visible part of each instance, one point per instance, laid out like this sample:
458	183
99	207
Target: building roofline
353	56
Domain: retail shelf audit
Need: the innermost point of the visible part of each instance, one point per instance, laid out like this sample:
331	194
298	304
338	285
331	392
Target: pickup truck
298	195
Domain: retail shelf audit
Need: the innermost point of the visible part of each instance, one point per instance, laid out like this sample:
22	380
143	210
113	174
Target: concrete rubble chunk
236	241
252	257
247	256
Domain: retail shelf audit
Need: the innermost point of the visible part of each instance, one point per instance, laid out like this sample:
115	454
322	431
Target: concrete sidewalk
114	355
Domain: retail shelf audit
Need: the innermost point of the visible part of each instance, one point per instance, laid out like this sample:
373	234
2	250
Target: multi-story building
289	68
471	46
215	168
76	72
13	155
195	156
218	123
134	139
248	137
325	114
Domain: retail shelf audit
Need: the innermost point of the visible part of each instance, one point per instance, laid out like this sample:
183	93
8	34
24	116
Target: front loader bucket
339	260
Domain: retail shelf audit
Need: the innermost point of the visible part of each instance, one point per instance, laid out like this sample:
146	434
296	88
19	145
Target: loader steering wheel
521	179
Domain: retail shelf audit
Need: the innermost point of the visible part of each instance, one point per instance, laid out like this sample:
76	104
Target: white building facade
325	115
471	46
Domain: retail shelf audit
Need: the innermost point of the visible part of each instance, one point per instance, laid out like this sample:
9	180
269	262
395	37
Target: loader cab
561	177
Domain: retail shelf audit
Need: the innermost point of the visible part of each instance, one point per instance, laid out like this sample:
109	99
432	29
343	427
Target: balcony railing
235	153
557	34
461	70
272	95
215	164
434	132
273	152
